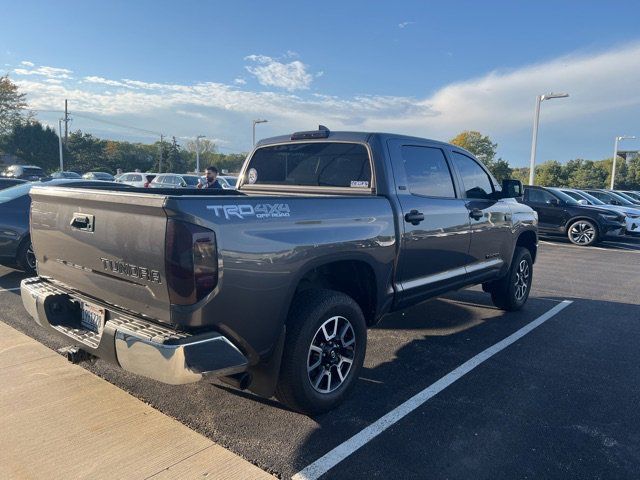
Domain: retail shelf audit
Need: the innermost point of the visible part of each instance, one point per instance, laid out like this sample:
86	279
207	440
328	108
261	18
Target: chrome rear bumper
135	344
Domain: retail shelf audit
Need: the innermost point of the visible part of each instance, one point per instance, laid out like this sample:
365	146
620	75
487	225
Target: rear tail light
191	262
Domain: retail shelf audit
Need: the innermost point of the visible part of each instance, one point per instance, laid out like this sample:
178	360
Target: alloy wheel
582	233
331	354
522	280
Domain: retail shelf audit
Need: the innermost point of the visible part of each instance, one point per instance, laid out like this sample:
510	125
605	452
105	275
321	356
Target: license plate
92	317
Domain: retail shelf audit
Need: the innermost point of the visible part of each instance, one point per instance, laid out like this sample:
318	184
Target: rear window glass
318	164
32	171
191	180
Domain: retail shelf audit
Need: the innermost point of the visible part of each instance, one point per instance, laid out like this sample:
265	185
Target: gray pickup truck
271	287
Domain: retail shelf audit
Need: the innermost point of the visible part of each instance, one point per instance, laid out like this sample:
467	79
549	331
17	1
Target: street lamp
615	155
198	153
255	122
534	140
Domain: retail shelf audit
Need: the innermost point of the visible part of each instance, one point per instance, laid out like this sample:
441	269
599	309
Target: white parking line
632	248
342	451
9	289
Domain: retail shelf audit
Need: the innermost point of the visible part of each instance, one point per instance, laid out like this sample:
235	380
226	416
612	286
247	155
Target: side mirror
583	202
512	188
616	202
554	202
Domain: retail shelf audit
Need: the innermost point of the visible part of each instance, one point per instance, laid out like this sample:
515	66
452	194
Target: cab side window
427	172
477	183
539	196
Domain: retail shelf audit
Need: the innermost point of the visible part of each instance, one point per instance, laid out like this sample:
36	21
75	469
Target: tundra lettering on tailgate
130	270
261	210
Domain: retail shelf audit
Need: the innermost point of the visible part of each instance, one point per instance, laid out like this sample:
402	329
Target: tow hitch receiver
76	354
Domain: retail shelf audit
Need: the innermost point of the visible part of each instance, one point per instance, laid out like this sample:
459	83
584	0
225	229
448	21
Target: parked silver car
175	180
136	179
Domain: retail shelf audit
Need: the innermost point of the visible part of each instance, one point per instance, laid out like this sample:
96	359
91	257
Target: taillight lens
191	262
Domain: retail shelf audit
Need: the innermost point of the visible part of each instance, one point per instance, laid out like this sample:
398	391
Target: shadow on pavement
590	329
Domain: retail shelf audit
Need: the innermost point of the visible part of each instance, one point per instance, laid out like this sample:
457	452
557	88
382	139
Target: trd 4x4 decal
261	210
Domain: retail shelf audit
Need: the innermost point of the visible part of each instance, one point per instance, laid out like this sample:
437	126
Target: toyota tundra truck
271	287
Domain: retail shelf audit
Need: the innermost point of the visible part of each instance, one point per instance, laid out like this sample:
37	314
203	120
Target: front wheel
512	291
324	351
583	233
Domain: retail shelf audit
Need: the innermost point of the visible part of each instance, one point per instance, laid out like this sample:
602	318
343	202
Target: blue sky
424	68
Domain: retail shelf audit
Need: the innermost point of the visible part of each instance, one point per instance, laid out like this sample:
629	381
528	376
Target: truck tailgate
106	245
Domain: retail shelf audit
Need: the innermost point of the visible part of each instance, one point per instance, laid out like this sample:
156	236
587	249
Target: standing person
212	179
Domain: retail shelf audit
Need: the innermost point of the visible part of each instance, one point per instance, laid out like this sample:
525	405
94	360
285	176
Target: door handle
414	217
476	214
81	221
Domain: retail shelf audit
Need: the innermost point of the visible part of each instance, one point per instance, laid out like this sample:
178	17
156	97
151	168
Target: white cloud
27	64
272	73
48	72
240	81
603	89
405	24
105	81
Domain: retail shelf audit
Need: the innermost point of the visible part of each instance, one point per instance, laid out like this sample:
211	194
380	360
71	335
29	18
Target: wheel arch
529	240
353	276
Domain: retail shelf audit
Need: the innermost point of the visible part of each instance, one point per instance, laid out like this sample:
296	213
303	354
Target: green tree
485	151
12	105
34	144
549	174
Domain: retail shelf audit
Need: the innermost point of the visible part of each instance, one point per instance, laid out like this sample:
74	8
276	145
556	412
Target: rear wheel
324	351
26	259
512	291
583	233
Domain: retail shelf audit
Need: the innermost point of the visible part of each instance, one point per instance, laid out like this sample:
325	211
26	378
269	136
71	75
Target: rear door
434	220
491	238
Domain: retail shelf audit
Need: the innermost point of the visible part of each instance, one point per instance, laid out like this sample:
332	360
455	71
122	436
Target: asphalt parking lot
559	402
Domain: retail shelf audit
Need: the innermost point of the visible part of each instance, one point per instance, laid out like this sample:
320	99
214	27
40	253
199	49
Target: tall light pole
615	156
60	144
255	122
198	153
534	140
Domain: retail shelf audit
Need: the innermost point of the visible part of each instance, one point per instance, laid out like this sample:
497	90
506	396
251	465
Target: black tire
26	259
583	232
511	292
311	310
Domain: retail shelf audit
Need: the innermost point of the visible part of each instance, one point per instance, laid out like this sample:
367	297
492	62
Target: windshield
563	196
314	164
585	196
612	196
626	197
12	193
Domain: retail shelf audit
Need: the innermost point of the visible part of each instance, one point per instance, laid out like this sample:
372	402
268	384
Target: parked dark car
15	242
632	214
25	172
632	194
102	176
609	197
272	286
626	196
561	215
10	182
